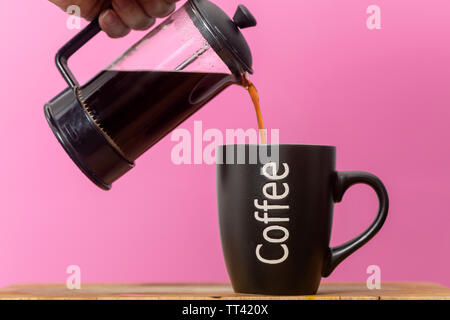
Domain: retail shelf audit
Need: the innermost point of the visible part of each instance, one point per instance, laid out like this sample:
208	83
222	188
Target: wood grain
204	291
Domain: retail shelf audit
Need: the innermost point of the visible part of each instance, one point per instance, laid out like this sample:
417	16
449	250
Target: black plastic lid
224	35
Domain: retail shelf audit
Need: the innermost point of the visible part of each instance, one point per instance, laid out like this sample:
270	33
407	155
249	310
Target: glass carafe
173	71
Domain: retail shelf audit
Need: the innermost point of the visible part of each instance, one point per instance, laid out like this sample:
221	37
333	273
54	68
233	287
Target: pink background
382	97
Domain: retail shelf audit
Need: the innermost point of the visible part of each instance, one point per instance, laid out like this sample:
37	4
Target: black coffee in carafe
178	67
138	108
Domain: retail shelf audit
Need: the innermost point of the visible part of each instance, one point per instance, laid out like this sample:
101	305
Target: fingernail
109	18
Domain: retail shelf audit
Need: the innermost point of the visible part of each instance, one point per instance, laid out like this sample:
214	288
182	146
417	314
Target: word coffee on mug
272	214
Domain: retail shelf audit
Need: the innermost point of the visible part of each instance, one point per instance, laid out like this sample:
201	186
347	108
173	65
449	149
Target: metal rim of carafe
71	152
66	143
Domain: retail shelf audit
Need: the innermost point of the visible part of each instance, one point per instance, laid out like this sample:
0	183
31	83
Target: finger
132	14
112	24
158	8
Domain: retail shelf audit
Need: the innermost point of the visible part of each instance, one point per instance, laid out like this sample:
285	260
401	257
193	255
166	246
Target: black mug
275	214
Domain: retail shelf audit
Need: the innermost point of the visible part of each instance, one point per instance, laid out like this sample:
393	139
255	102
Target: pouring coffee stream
172	72
250	87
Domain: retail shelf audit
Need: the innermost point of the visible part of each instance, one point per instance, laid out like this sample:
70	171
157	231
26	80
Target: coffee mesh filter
98	123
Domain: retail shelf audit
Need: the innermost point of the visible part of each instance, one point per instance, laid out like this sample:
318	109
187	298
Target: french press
174	70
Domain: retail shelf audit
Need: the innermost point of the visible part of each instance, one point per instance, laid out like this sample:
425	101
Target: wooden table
327	291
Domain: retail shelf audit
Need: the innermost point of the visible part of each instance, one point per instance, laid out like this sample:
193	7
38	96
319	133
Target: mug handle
343	181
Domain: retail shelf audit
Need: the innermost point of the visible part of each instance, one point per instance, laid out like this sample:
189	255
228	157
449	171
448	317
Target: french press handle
71	47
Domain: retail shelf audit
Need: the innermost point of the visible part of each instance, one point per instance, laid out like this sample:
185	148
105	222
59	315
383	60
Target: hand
124	15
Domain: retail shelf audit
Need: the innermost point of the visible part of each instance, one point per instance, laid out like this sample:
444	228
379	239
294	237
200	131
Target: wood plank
218	291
